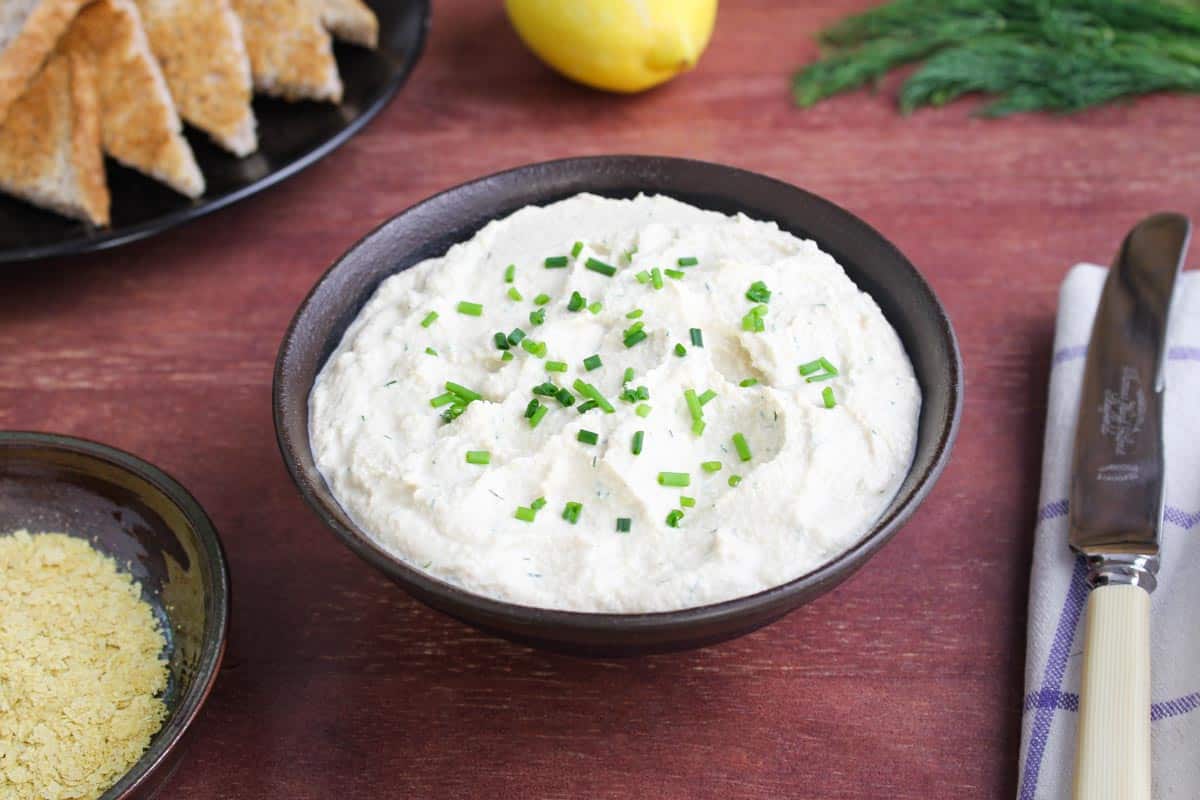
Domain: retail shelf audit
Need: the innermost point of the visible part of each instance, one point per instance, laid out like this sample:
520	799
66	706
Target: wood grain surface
905	682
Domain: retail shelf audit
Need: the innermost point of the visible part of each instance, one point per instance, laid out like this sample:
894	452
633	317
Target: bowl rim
212	650
822	577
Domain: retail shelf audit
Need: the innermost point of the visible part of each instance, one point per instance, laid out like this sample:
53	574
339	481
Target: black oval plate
291	137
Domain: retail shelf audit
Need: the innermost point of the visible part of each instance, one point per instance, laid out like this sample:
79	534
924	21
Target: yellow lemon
618	45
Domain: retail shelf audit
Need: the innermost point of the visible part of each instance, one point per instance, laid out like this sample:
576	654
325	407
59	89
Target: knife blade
1116	507
1116	498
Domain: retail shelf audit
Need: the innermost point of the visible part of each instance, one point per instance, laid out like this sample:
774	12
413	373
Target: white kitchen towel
1058	592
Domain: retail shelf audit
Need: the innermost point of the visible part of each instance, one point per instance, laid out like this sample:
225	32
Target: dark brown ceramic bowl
430	228
153	528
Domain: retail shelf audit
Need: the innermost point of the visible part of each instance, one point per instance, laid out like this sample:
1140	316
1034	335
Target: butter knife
1116	507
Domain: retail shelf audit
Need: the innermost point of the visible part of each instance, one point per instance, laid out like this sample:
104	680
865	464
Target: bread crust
29	49
139	124
50	152
200	46
352	21
291	54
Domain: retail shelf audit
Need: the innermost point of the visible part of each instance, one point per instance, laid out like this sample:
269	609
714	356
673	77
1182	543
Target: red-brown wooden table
904	682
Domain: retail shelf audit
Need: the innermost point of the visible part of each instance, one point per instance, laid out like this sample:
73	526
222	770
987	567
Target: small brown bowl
430	228
153	528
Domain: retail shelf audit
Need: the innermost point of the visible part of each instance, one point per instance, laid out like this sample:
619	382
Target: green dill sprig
1027	55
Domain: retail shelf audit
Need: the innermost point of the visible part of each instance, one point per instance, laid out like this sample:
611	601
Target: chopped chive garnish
680	350
643	393
656	278
624	524
827	396
709	394
429	351
537	317
514	295
643	410
546	389
525	514
479	457
758	293
536	349
390	383
587	406
674	273
571	512
637	312
698	426
470	309
710	466
824	376
430	318
643	276
697	337
501	340
742	447
532	408
539	504
687	502
576	302
688	261
674	517
601	267
592	362
576	249
628	375
556	366
443	399
538	415
676	479
596	307
693	404
587	437
454	412
515	337
734	480
564	397
634	328
510	272
828	366
638	438
628	255
556	262
747	382
462	391
541	299
507	356
588	390
753	321
810	368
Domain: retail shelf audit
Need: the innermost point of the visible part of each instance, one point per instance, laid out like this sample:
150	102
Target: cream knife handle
1112	761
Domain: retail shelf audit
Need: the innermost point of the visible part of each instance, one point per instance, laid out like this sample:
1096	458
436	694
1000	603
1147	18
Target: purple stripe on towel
1171	515
1174	708
1076	352
1070	353
1069	701
1056	667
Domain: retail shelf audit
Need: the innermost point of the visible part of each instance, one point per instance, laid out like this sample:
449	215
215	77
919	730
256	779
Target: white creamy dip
817	477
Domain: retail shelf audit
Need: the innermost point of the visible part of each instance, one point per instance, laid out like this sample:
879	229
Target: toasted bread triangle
351	21
203	56
138	122
291	54
50	151
29	30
